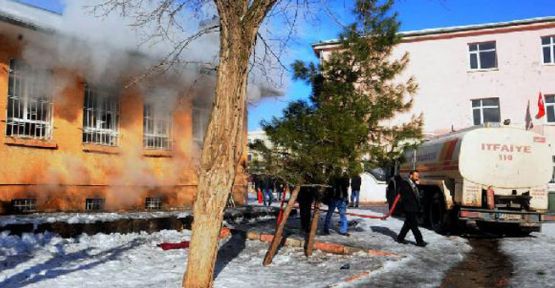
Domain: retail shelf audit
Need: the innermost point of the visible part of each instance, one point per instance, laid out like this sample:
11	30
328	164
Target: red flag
541	107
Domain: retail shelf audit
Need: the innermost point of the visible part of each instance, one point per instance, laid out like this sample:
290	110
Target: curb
328	247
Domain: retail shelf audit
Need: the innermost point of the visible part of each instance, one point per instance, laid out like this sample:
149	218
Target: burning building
74	137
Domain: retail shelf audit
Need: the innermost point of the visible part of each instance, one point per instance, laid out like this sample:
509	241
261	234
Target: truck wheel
438	215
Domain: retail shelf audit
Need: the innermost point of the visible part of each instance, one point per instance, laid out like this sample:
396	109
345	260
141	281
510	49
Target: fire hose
280	215
383	217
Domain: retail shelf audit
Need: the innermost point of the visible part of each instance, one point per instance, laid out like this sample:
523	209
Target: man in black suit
410	201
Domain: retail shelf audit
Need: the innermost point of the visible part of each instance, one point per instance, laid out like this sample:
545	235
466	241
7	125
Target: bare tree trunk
279	229
223	143
309	246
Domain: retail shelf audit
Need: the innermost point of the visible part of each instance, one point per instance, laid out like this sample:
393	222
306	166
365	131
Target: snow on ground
84	218
532	258
133	260
115	260
421	267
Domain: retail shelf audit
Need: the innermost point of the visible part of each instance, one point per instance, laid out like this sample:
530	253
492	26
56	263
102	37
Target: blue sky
413	14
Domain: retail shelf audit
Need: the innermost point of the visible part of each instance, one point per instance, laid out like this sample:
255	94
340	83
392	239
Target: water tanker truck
493	177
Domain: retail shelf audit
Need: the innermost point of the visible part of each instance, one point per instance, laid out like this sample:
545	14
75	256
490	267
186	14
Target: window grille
24	205
482	55
100	117
157	128
153	203
548	49
94	204
201	116
29	102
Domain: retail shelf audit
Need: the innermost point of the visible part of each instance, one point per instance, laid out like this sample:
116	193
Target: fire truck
494	177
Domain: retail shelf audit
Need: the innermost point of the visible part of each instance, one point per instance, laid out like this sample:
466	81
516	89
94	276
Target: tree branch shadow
54	267
230	250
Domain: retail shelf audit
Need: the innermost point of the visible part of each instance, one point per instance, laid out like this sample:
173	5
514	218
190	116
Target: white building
469	75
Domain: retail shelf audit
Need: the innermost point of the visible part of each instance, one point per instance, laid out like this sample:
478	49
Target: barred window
94	204
29	102
153	203
24	205
157	127
202	108
100	117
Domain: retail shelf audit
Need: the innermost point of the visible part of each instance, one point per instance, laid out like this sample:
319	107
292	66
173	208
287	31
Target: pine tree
354	91
343	124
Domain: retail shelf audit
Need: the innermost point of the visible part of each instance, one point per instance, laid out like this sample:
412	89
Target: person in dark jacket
410	202
306	198
355	190
267	188
339	198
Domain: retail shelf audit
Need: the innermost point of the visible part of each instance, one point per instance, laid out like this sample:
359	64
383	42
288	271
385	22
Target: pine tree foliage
355	91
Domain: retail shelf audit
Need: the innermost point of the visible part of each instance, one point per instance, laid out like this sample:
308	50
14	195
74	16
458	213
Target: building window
548	48
485	110
157	127
553	173
94	204
100	117
153	203
201	116
482	55
29	102
24	205
550	108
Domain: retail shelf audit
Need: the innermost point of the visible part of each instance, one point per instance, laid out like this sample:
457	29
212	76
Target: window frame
95	204
203	123
93	115
550	45
156	118
477	52
547	106
481	108
552	180
24	77
153	203
24	205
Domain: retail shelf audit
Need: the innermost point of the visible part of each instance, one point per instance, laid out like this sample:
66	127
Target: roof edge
455	29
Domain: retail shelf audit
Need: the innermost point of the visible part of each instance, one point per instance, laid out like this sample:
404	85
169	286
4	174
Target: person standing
279	188
306	199
339	198
410	201
267	186
355	190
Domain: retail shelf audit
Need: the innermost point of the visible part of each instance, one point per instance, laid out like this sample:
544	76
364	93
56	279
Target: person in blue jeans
267	190
338	199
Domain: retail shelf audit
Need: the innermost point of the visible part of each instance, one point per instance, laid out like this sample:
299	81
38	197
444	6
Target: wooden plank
278	235
309	247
